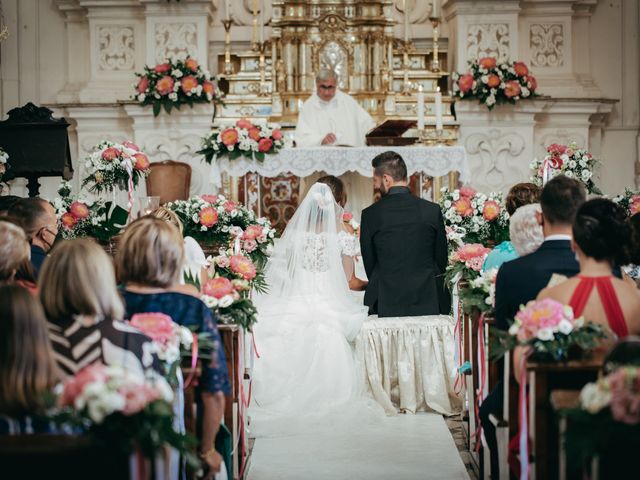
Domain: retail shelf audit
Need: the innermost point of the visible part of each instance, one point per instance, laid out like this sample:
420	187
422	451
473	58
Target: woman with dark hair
601	236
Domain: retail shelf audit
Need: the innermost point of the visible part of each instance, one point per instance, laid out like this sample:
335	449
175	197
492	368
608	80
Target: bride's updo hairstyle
601	231
337	188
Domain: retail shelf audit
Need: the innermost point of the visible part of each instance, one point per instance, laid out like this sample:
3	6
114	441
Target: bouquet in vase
466	263
242	139
566	160
630	201
174	83
550	330
492	83
115	165
229	299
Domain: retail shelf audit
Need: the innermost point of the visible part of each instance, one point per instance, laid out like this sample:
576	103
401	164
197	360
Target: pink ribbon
194	361
457	334
482	376
523	418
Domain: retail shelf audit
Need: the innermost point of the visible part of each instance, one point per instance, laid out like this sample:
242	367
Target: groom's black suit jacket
404	251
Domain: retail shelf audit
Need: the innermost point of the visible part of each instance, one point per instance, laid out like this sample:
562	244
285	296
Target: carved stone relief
175	40
546	44
488	40
116	47
495	150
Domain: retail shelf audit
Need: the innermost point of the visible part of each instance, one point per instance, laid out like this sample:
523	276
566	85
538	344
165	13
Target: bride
308	318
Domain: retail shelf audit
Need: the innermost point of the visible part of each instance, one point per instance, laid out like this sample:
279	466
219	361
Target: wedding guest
520	280
14	251
6	202
519	195
524	230
149	263
632	270
38	219
84	310
28	371
600	237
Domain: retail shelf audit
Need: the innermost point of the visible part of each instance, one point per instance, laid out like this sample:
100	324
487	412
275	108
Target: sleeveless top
609	300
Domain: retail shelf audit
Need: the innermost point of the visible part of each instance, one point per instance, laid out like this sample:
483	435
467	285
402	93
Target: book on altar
389	133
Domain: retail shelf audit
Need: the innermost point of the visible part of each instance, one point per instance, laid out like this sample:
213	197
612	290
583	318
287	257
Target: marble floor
406	447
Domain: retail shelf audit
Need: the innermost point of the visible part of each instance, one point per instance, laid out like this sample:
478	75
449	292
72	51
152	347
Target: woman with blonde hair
14	250
149	264
27	368
85	312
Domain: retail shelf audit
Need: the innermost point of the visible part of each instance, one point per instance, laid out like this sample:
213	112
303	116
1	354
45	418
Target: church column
289	61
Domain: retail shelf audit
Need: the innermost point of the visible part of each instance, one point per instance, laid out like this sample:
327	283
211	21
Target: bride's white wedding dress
306	322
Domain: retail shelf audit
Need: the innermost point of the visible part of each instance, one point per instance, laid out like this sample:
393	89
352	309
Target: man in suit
520	280
404	247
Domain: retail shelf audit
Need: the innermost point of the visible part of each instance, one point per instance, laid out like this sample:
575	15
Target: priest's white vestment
349	122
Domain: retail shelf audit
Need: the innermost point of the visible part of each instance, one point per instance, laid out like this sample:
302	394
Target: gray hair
525	232
326	74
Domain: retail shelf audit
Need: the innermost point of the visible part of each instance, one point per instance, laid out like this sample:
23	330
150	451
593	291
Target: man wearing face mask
404	247
37	218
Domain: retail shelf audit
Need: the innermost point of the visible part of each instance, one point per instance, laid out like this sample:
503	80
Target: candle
262	22
420	108
438	109
406	21
227	9
435	10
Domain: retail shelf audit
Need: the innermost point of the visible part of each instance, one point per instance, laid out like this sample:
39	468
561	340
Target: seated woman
84	310
15	266
28	370
600	239
149	264
524	230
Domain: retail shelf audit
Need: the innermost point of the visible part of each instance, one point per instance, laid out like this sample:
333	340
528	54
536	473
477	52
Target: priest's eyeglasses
327	87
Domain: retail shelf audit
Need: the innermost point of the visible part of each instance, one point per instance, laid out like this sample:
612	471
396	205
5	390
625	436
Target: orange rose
467	192
68	221
244	123
165	85
520	68
512	89
254	133
162	68
491	210
532	83
493	81
143	84
264	145
191	64
142	161
208	87
277	134
229	137
218	287
208	216
465	82
110	154
188	83
488	62
79	210
463	207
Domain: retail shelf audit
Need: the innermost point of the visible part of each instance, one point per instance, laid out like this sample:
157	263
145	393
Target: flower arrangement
168	337
566	160
479	292
242	139
630	201
474	217
80	217
4	157
173	83
230	298
608	416
347	217
115	165
549	329
122	407
492	83
466	262
214	220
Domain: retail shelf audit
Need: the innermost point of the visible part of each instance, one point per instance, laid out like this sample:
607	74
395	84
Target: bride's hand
357	285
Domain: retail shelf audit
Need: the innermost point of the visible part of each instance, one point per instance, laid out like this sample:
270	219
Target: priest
333	118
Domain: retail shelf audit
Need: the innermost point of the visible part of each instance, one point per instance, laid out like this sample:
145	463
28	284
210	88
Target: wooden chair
169	180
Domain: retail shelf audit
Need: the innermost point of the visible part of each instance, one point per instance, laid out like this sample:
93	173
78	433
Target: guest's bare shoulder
560	291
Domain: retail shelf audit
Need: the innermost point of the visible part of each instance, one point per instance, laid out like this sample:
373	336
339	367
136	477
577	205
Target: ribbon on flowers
457	333
194	361
128	165
549	163
523	420
482	377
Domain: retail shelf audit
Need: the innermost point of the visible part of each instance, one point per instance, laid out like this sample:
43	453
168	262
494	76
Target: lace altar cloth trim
409	363
302	162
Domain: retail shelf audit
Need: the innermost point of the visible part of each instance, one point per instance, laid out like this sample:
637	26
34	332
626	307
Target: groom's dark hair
390	163
560	199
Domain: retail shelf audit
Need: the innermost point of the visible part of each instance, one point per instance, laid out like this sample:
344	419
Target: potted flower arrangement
568	160
549	330
173	83
492	83
630	201
474	217
242	139
115	165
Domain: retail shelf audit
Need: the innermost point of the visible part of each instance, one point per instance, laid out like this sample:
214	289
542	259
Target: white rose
455	196
203	228
572	164
186	337
176	73
484	78
447	204
226	301
490	100
513	329
196	218
141	97
569	173
565	327
173	96
586	175
545	334
210	302
593	398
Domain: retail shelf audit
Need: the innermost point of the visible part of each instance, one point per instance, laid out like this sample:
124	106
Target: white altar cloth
433	161
409	363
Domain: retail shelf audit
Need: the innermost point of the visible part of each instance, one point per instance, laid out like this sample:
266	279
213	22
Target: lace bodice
349	244
315	254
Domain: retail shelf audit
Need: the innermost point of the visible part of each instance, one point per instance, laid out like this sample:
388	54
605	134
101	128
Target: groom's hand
329	139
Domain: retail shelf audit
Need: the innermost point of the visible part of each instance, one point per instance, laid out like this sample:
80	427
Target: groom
404	247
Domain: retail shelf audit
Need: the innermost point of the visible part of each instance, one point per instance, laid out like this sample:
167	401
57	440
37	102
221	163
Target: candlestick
227	10
420	108
406	21
228	68
435	8
262	22
435	61
254	34
438	110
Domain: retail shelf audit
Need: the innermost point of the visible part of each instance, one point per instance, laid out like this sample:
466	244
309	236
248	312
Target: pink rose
243	266
520	69
276	134
488	62
79	210
191	64
188	83
532	83
208	87
254	134
223	261
158	326
162	68
209	198
141	161
137	397
634	205
75	385
217	287
512	89
470	251
229	206
491	210
465	82
229	137
467	192
68	221
244	123
110	154
252	232
249	245
165	85
493	81
264	145
463	207
131	145
208	217
347	216
143	84
556	149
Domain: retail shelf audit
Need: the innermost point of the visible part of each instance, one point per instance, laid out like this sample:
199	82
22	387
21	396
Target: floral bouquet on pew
229	299
173	83
123	408
466	263
480	292
630	201
608	416
242	139
474	217
80	217
549	329
566	160
113	165
492	83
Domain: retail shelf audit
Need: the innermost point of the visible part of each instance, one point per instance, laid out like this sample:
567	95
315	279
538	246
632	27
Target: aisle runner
406	447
